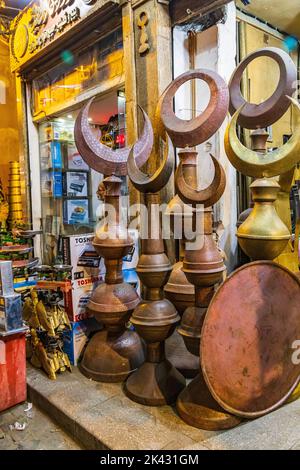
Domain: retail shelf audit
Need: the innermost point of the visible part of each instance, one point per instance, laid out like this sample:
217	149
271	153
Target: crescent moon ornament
154	183
255	116
193	132
158	124
260	165
102	158
208	196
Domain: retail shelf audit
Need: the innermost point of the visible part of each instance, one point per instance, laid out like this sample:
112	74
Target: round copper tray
247	339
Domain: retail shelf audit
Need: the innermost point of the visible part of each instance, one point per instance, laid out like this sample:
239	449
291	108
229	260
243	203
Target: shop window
76	73
70	205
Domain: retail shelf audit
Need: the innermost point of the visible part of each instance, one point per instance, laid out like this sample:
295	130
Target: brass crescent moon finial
103	159
154	183
257	165
208	196
262	115
193	132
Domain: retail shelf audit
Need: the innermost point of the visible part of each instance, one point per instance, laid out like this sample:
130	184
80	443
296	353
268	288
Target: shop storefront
64	55
153	341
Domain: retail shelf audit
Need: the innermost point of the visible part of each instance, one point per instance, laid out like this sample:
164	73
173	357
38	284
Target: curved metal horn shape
263	115
195	131
103	159
208	196
158	123
154	183
259	165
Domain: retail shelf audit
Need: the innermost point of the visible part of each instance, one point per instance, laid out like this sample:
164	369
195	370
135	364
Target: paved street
40	433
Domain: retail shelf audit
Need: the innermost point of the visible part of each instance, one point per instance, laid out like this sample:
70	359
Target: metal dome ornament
115	352
203	265
156	382
263	235
256	346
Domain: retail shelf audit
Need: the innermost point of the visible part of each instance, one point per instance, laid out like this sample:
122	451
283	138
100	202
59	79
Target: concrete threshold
101	417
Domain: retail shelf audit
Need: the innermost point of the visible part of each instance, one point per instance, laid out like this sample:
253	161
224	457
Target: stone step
101	417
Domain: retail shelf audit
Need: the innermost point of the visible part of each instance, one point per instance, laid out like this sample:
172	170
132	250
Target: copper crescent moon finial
154	183
100	157
208	196
193	132
263	115
258	165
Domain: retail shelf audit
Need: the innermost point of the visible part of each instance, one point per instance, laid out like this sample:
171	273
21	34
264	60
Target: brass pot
263	235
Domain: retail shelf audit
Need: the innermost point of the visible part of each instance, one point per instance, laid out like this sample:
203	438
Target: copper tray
247	339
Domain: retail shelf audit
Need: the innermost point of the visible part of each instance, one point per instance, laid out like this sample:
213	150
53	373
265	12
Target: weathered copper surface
103	159
111	356
207	196
195	131
249	330
251	162
154	183
263	235
196	406
179	290
157	382
114	353
204	267
263	115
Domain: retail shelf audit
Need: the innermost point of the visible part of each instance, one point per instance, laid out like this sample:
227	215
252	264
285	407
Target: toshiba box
78	251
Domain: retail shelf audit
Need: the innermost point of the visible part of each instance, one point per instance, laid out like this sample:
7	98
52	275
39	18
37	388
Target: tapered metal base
111	357
196	406
155	384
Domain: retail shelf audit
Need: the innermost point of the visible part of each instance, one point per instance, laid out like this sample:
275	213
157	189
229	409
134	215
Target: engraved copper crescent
155	182
195	131
259	165
262	115
103	159
208	196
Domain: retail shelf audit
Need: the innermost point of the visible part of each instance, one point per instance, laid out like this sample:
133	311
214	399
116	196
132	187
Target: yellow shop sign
44	21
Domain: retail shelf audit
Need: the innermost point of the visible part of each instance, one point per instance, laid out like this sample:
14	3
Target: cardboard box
11	312
74	160
75	184
132	259
76	338
76	211
77	299
10	302
78	251
51	155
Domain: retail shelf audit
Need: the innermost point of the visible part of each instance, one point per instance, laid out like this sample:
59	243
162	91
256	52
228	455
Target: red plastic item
12	370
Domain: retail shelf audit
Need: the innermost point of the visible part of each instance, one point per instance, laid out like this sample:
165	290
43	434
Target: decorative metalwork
255	116
156	382
253	163
247	339
102	158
